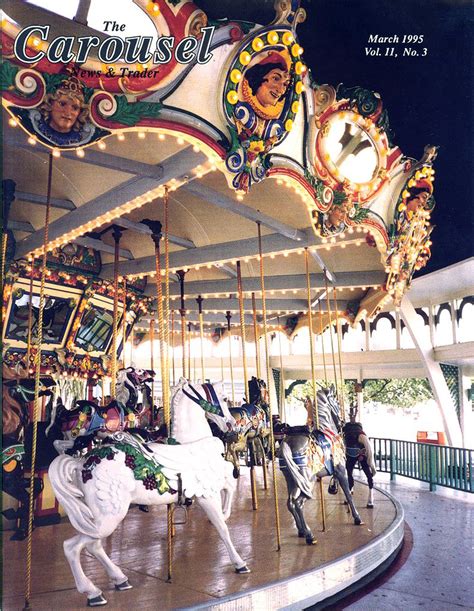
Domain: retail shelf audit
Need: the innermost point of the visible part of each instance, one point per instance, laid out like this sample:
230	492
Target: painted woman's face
273	86
419	201
64	113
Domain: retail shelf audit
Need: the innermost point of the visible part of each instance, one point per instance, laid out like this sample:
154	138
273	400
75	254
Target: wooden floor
201	571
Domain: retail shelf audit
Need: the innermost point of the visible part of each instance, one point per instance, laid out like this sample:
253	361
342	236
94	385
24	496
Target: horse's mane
328	409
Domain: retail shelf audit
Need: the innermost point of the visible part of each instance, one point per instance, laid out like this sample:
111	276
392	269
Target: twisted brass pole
313	374
201	333
339	352
229	332
255	332
117	234
39	339
182	311
267	363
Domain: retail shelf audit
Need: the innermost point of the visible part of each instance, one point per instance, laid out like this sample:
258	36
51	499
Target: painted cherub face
64	113
273	87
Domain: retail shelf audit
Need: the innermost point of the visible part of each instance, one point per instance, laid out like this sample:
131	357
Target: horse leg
370	481
340	474
94	546
261	451
72	550
228	495
212	508
293	492
299	507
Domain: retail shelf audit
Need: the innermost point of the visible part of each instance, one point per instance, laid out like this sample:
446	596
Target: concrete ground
438	571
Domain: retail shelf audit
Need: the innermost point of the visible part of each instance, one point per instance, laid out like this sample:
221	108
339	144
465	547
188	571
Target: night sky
428	98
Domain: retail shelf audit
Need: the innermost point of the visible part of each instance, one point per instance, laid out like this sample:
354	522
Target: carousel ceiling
316	170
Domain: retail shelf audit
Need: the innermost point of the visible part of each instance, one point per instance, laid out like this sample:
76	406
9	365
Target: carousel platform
297	577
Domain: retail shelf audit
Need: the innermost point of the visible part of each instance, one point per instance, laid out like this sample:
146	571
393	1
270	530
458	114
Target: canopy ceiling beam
96	158
227	203
193	317
217	253
102	247
33	198
284	282
144	229
21	226
176	165
232	304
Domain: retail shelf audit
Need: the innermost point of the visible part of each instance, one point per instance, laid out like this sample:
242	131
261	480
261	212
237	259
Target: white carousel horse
97	489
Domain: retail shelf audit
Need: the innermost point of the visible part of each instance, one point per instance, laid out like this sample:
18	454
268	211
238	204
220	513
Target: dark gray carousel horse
306	456
17	439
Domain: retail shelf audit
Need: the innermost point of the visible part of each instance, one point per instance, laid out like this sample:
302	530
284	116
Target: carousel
170	218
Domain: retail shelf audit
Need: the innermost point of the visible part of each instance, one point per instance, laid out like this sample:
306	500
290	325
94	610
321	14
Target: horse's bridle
209	404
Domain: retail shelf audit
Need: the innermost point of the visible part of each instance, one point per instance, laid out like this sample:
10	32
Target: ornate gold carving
324	96
199	21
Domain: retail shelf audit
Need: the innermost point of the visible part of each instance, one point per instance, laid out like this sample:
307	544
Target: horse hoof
370	505
242	570
357	521
236	473
98	601
311	541
19	535
125	585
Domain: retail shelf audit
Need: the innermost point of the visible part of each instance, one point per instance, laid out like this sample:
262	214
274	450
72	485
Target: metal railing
437	465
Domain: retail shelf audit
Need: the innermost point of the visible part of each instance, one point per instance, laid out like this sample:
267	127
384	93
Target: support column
467	415
434	374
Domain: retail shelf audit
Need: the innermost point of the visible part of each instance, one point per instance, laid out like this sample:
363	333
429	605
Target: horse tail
63	473
303	483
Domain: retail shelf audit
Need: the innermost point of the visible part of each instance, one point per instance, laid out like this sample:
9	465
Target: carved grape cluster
150	482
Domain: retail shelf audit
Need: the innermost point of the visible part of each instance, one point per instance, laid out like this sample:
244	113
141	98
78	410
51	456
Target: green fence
436	465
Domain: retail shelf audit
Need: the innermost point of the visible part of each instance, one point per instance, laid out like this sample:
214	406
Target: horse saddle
110	417
295	430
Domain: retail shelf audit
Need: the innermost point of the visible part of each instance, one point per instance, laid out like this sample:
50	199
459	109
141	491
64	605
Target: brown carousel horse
18	393
252	429
307	455
78	427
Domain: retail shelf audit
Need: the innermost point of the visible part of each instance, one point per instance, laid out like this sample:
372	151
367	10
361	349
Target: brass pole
321	330
339	352
229	331
29	547
313	374
30	318
117	234
255	332
267	363
201	333
330	335
124	322
242	326
282	381
152	367
172	347
182	311
189	351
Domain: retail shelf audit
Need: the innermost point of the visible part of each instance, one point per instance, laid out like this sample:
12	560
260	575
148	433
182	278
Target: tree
404	392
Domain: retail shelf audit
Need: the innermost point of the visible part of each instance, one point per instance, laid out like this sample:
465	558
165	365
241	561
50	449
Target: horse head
211	402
